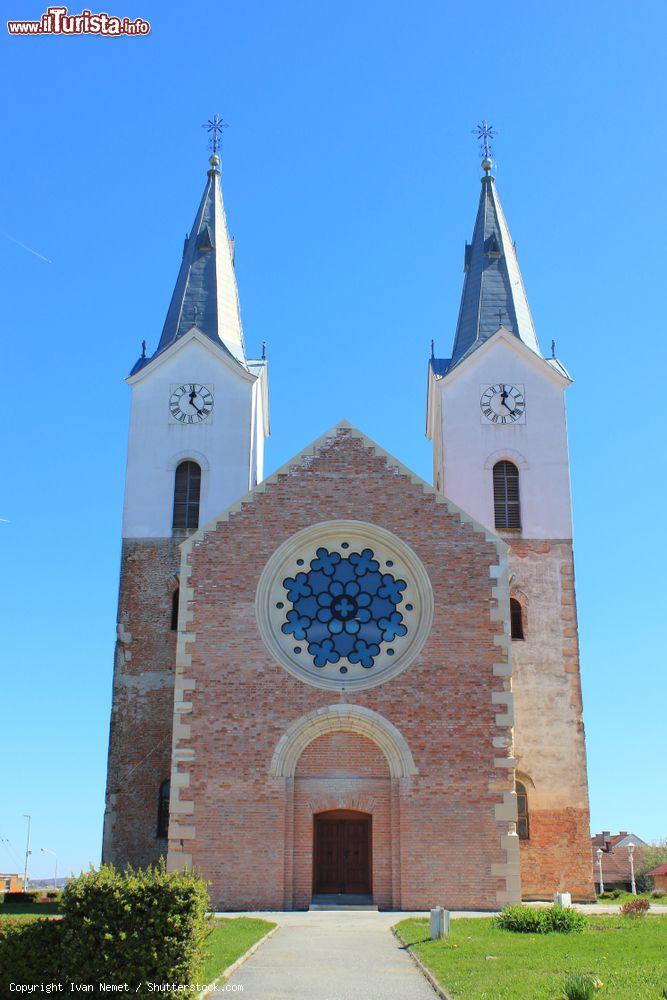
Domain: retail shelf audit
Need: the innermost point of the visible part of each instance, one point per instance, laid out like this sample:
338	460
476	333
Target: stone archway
350	761
351	718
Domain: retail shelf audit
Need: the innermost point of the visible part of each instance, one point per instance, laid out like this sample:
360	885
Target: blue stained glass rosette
345	608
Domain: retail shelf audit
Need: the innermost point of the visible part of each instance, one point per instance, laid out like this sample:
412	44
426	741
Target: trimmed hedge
134	927
21	897
30	952
529	920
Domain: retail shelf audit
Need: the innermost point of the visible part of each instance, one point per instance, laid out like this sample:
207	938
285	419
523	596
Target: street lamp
633	886
45	850
599	857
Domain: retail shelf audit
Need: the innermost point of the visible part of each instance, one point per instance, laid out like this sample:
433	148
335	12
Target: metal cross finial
553	348
485	133
432	348
263	350
215	125
143	348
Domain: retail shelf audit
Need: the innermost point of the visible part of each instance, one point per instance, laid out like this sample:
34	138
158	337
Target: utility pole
27	854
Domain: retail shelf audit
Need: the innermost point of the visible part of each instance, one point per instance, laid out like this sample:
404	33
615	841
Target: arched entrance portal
342	763
342	862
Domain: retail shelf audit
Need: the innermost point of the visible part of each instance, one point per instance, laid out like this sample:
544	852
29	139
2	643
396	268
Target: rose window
345	607
344	604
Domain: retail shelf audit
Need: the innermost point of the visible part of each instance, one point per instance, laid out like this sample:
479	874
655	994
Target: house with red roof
659	876
615	858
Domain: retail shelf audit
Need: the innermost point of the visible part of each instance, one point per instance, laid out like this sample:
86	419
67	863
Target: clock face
191	403
503	403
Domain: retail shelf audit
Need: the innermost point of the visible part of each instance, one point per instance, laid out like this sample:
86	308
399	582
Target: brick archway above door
348	718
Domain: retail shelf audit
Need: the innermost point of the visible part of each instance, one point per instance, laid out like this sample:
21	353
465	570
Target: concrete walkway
324	955
344	955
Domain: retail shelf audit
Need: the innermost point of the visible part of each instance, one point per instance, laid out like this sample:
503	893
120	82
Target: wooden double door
342	852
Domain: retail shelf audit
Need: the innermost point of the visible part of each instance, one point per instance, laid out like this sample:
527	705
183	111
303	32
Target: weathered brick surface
436	836
552	859
549	738
143	698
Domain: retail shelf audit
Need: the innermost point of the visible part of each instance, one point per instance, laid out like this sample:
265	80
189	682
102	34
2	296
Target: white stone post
563	899
439	923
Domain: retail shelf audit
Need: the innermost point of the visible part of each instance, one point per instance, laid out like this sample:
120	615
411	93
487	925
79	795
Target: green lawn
481	962
228	940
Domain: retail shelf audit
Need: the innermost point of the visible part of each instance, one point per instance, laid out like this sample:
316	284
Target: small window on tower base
516	619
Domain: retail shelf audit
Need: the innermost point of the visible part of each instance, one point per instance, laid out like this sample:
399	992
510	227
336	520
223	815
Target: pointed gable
493	292
206	295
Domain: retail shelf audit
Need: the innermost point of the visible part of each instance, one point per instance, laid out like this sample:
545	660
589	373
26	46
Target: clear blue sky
351	184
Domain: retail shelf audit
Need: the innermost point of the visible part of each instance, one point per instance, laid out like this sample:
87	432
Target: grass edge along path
230	939
479	961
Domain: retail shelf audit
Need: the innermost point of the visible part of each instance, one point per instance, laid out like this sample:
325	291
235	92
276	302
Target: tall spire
493	292
206	295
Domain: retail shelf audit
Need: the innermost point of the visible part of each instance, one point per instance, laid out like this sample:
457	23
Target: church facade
342	681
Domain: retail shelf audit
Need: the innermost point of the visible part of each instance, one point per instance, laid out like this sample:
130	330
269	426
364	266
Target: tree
649	857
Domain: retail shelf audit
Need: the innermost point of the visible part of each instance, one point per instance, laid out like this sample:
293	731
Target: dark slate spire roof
493	292
205	295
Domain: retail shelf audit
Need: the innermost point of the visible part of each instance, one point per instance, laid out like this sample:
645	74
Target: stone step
342	901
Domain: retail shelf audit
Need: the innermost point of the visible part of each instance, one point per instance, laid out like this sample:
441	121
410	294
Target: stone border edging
430	978
239	961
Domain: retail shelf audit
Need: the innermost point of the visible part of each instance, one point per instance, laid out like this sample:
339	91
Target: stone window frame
360	532
522	781
189	455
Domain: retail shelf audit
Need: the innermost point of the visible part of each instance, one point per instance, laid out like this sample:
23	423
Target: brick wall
250	833
143	697
549	742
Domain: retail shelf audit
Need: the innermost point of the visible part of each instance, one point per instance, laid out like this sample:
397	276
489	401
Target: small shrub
528	920
53	894
30	952
635	908
521	920
563	921
21	898
658	893
607	895
580	986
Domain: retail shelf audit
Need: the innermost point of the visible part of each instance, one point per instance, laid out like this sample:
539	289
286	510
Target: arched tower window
516	619
163	810
522	826
174	609
506	504
187	487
